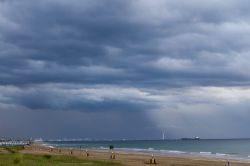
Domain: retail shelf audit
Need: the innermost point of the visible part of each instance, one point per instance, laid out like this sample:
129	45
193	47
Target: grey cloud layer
162	36
127	56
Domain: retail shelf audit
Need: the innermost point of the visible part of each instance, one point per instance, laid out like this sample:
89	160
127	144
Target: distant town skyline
124	69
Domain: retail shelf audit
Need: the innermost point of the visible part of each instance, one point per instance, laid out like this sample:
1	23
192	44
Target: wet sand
133	158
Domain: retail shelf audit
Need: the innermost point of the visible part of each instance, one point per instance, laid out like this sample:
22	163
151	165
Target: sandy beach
133	158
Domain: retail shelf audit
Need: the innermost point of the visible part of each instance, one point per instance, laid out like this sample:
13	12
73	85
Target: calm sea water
234	148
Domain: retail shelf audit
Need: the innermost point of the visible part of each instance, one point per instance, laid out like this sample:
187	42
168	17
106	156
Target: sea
238	149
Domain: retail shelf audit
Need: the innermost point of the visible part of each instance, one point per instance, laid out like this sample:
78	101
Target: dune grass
12	149
14	158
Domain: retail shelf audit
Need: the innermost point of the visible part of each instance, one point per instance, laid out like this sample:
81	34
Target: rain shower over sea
215	148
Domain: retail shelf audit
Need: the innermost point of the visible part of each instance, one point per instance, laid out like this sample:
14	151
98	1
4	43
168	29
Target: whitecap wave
175	151
220	154
205	153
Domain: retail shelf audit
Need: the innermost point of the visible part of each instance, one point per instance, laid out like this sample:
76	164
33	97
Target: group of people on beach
152	160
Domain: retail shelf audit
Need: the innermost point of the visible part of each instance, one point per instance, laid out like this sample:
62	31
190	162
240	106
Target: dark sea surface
219	148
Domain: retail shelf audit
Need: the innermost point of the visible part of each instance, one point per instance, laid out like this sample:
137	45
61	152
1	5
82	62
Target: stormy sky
124	69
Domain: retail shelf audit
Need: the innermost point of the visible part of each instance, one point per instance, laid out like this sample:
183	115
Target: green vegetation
12	149
11	157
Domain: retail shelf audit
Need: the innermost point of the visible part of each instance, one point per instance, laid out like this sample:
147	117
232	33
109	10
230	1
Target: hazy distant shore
132	158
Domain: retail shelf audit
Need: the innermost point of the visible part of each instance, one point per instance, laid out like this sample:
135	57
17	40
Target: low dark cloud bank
171	65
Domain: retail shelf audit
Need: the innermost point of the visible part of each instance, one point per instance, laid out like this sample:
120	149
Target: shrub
47	156
18	158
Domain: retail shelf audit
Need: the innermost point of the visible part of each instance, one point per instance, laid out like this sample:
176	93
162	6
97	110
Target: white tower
163	135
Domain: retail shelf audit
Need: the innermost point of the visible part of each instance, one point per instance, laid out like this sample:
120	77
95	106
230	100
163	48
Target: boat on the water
195	138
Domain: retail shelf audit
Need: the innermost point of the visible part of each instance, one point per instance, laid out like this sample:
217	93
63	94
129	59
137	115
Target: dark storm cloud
125	55
63	124
65	35
94	99
52	101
